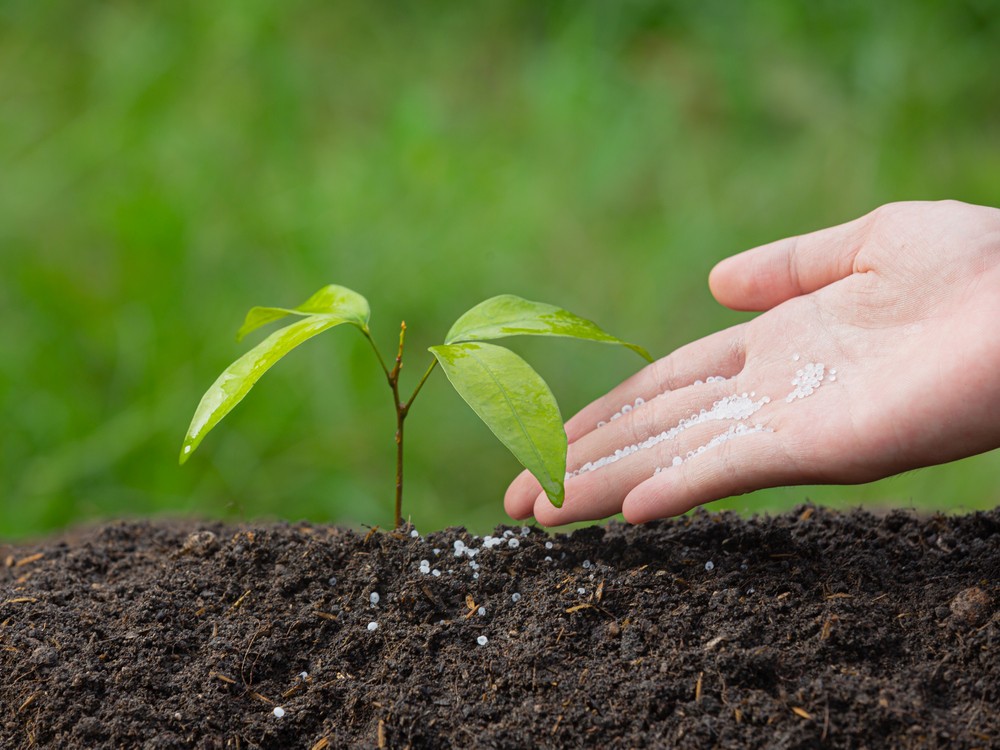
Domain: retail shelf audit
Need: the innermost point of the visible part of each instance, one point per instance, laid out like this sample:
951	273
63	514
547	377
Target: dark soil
813	629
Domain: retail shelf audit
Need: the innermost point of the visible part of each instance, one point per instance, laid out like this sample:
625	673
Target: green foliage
160	161
507	315
330	306
507	394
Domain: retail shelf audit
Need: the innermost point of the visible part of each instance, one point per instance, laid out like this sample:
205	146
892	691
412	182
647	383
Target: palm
898	307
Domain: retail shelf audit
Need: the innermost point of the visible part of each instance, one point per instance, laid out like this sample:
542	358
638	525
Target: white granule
581	591
513	543
482	640
548	545
482	611
639	401
436	573
414	533
735	431
374	598
710	566
806	381
738	407
373	625
515	597
278	711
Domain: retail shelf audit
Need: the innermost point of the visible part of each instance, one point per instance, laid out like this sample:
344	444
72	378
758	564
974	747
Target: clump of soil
812	629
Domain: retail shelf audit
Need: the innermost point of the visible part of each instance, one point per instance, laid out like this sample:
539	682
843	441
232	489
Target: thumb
768	275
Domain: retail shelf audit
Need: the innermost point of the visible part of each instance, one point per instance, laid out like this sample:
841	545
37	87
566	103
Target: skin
904	303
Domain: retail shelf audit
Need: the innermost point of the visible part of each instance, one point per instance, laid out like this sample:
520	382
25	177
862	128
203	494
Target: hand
893	320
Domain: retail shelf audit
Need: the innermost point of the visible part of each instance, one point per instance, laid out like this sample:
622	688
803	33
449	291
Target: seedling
506	393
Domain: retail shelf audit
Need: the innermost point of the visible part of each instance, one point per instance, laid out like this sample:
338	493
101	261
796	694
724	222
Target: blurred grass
166	165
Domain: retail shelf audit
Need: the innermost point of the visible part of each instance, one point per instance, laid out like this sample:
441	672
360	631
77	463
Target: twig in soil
29	559
697	688
801	713
246	654
237	603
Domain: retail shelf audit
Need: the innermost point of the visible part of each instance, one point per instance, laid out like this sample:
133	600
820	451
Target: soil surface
812	629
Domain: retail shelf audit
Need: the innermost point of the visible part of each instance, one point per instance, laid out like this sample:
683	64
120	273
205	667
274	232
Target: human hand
892	322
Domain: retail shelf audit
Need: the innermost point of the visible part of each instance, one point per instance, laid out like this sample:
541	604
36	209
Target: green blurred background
166	165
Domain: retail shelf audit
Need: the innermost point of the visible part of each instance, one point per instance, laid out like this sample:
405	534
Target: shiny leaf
237	379
515	403
330	300
508	315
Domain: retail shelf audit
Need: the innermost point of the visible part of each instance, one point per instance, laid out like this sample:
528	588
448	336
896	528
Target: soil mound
812	629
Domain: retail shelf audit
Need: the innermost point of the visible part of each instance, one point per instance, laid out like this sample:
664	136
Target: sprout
499	386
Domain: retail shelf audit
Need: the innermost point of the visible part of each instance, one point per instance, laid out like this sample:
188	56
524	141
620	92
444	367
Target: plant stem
427	374
402	407
378	354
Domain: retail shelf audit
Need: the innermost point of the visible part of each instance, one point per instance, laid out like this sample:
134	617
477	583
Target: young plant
506	393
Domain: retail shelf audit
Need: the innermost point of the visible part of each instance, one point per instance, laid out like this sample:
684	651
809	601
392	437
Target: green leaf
237	379
515	403
508	315
330	300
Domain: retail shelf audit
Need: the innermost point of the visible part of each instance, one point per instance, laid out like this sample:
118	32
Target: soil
811	629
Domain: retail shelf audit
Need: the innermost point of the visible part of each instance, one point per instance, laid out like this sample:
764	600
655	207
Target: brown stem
401	410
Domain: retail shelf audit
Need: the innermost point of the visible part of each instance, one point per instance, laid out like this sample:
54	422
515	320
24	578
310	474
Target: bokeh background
166	165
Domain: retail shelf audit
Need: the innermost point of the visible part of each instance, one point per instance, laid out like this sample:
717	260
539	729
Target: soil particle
812	629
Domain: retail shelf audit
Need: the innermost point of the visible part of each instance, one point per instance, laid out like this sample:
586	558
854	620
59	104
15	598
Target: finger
519	500
752	462
641	443
766	276
636	425
720	354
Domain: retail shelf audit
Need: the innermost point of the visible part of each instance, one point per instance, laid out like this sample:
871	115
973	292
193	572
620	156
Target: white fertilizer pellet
515	597
738	407
278	711
710	566
735	431
373	626
806	381
482	640
374	598
482	611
